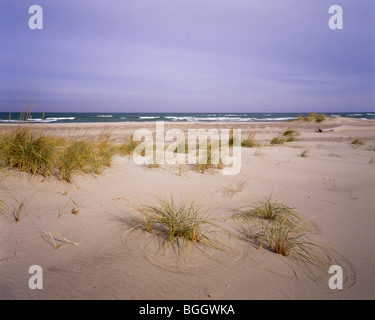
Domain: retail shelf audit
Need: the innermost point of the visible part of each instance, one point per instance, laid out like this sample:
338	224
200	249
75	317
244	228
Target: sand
333	185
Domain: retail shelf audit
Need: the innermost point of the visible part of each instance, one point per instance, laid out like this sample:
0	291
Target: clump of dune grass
182	169
153	165
290	132
103	156
249	142
127	148
269	209
277	140
317	117
85	156
3	205
288	239
179	224
28	150
19	207
233	188
304	153
76	157
282	230
291	135
207	162
232	141
370	148
358	142
32	151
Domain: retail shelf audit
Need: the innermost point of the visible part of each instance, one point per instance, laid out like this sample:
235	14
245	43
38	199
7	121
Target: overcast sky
187	56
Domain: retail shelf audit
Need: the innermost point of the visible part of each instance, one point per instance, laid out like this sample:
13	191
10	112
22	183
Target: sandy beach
332	184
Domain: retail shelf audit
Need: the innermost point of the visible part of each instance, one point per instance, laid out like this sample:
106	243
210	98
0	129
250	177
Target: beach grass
128	147
28	150
282	230
291	135
178	223
358	142
278	140
287	239
233	188
19	207
249	142
207	161
34	152
304	153
314	117
269	209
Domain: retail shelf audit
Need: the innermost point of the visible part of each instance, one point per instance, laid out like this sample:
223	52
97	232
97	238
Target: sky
187	56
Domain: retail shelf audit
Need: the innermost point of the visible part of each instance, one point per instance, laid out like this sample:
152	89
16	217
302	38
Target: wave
370	114
38	120
175	118
148	117
105	116
58	119
279	119
202	119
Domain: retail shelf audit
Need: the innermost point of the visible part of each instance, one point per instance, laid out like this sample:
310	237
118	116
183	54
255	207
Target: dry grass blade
304	153
231	189
3	206
58	237
19	207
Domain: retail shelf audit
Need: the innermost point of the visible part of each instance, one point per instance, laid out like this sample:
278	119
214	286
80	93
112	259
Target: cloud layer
187	56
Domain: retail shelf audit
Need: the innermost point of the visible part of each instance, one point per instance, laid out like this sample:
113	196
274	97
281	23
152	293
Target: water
60	117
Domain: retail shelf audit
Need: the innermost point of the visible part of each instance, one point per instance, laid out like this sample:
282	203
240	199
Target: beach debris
121	199
74	210
57	240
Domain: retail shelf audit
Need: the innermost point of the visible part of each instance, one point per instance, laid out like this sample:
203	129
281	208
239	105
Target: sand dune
333	185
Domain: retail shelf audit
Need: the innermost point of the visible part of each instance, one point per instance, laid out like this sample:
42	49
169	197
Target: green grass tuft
32	151
317	117
232	189
269	209
304	153
282	230
249	142
28	150
277	140
358	142
179	223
